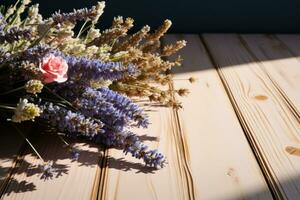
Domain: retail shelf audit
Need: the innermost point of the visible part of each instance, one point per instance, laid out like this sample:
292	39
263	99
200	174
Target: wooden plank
198	144
11	144
292	42
265	115
279	64
71	180
209	123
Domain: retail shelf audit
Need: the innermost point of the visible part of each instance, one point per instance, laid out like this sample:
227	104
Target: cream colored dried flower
91	50
77	48
26	2
10	11
33	11
34	86
92	34
99	9
25	111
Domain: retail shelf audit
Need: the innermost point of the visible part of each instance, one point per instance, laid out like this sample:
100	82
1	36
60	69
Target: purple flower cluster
83	69
130	143
76	15
71	122
14	34
110	107
78	124
125	106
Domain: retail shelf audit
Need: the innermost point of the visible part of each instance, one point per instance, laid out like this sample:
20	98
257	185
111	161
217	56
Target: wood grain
264	114
215	140
71	180
280	66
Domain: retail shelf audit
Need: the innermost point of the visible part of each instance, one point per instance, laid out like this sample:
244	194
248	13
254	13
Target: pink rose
54	68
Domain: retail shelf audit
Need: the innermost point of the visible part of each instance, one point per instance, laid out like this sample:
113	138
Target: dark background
195	16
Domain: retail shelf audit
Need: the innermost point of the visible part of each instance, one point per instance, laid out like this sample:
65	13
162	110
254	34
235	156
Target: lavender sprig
71	122
110	107
14	34
85	69
76	15
126	106
130	143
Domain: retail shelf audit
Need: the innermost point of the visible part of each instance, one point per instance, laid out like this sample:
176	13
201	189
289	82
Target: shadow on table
53	149
198	54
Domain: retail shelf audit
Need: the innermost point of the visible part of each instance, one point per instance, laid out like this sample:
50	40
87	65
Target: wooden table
237	137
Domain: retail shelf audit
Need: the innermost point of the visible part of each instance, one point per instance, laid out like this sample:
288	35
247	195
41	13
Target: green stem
7	107
64	141
13	90
81	29
28	142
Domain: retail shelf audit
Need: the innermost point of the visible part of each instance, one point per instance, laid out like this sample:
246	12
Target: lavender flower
126	106
83	69
71	122
75	154
130	143
14	34
48	170
109	106
77	15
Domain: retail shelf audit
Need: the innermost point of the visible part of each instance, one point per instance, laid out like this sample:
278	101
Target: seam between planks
180	135
101	167
275	191
100	183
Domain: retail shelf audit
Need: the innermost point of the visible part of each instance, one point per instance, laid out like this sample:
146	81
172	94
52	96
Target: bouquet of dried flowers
82	82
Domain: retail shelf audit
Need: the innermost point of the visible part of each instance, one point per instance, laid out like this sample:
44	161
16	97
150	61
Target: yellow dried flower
160	31
25	111
182	92
34	86
173	48
192	79
133	40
